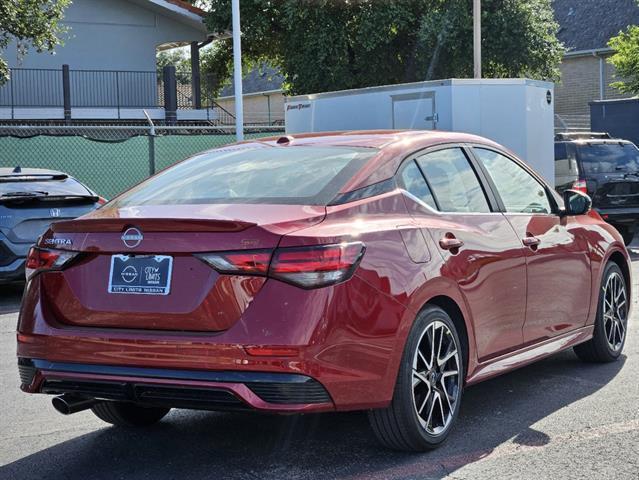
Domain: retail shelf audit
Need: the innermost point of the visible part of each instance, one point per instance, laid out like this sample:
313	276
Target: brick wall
612	93
256	108
579	85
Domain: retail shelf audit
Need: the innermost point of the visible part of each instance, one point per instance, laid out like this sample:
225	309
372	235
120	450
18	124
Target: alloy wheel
436	378
615	311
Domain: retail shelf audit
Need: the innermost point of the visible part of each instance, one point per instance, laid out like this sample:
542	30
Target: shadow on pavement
10	296
331	446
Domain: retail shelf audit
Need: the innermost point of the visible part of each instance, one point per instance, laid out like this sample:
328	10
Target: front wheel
428	389
611	323
126	414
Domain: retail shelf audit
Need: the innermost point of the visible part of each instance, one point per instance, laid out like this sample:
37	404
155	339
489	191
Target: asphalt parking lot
556	419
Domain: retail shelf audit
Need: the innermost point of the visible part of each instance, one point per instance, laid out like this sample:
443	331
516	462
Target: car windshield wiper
35	193
44	196
71	195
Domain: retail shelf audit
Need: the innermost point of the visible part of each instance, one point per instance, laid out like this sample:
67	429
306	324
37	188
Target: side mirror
576	203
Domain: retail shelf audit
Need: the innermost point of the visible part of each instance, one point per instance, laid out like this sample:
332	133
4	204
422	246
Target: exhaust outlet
67	404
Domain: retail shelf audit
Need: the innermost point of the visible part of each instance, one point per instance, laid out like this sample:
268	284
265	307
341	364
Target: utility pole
477	37
237	71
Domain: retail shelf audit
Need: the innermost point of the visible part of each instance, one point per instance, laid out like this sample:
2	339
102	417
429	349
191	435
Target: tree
626	60
176	57
325	45
30	23
215	63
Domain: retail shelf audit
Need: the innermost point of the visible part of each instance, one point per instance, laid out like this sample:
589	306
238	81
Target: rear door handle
450	243
531	241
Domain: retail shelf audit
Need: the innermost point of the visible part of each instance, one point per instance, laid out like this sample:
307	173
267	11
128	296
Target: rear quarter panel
371	336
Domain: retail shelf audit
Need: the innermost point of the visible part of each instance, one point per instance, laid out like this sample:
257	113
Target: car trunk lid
198	297
23	221
615	190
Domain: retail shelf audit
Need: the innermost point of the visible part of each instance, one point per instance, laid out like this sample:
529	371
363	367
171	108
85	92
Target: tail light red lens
40	259
306	267
102	201
249	262
312	267
580	185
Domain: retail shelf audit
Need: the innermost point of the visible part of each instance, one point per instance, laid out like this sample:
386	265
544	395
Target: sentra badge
58	241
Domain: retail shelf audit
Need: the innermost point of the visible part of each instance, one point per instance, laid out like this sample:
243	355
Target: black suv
605	168
30	200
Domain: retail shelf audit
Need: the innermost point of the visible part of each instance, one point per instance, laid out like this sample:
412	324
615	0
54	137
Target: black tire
399	426
599	348
125	414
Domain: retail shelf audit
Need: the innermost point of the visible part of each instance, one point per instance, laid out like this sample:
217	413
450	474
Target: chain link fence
111	159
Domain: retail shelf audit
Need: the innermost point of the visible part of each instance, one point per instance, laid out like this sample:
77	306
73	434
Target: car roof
30	172
393	146
372	138
598	141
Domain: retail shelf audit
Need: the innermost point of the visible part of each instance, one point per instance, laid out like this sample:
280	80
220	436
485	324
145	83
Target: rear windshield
281	175
40	186
608	158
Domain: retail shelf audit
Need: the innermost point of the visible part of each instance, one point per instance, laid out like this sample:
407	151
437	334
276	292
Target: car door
558	266
477	247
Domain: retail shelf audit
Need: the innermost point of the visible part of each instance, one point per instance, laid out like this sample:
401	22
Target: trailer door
414	111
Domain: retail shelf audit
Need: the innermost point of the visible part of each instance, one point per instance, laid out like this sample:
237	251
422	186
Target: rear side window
560	151
565	164
608	157
280	175
453	181
413	182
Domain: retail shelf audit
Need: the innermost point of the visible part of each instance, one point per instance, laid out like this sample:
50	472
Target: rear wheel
125	414
429	387
612	319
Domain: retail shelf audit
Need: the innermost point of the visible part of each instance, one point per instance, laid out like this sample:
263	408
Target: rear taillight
312	267
41	259
102	201
250	262
307	267
580	185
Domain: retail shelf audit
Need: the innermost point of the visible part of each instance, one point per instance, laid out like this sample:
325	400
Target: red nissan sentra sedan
380	271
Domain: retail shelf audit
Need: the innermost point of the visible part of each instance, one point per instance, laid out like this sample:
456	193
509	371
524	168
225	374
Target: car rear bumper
12	260
353	354
205	390
619	216
13	272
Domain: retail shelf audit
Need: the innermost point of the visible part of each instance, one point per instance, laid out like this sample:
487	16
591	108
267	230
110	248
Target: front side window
287	175
453	181
518	189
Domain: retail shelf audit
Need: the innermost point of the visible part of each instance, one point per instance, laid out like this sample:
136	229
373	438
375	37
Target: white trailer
518	113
